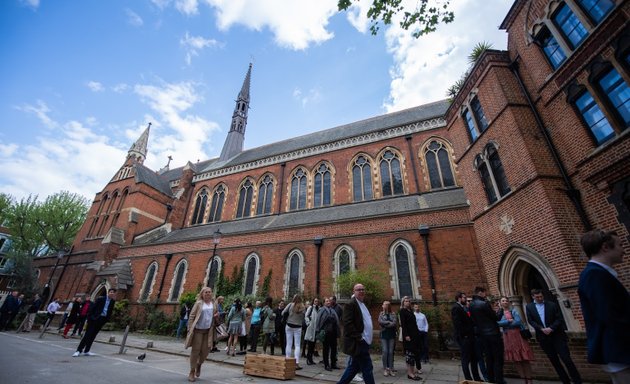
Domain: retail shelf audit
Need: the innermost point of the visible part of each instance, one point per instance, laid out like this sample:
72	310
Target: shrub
373	281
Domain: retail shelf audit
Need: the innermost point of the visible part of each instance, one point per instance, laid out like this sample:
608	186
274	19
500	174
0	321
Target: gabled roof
121	269
152	179
393	206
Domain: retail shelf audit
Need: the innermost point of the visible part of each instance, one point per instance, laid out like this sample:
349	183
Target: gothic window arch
390	166
92	232
216	207
121	204
252	273
344	261
294	273
106	214
245	197
201	202
213	271
492	173
322	185
149	281
438	163
403	266
474	117
177	284
362	187
265	195
299	185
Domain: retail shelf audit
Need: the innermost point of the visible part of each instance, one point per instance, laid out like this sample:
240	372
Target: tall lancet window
298	190
362	179
265	196
245	196
216	208
391	176
322	187
200	207
439	165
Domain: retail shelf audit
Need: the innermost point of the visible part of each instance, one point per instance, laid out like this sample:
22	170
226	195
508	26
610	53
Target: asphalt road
26	359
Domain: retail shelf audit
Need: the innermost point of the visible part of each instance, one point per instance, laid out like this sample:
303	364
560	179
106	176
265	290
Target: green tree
421	20
61	217
373	281
6	201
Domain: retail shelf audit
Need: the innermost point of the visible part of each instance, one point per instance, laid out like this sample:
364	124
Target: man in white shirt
52	309
423	327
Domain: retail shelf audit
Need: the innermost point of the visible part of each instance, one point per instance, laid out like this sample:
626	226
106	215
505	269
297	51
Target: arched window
439	165
216	208
362	179
298	190
403	265
214	267
149	280
492	174
200	207
294	274
121	204
265	196
344	260
322	186
251	274
245	196
391	175
178	281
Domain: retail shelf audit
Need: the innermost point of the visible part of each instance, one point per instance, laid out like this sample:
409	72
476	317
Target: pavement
434	372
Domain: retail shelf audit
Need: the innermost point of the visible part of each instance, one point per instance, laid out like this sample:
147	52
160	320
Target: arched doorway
521	270
101	290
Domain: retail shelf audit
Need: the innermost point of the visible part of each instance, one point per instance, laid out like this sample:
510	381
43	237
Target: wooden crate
471	382
273	367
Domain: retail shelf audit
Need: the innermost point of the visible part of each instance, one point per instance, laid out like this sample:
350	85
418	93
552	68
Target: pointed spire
236	136
139	149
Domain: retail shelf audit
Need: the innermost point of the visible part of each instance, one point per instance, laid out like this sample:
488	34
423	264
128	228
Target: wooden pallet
273	367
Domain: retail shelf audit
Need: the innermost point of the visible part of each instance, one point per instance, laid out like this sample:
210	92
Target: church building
492	188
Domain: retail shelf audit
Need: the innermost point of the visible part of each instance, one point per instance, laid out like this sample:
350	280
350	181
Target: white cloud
187	7
133	18
95	86
120	87
194	44
41	111
176	130
7	150
312	96
31	3
424	68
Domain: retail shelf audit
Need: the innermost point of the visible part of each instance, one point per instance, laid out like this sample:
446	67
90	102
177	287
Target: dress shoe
310	362
328	368
335	367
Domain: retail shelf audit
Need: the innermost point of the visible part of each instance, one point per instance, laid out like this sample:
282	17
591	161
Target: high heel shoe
414	378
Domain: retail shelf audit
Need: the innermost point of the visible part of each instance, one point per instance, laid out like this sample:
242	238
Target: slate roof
151	178
444	199
121	268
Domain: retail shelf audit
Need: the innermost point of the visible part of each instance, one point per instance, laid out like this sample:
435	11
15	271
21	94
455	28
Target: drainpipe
572	192
424	233
318	243
169	256
281	181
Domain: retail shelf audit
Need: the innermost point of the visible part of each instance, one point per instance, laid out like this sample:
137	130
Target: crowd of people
488	333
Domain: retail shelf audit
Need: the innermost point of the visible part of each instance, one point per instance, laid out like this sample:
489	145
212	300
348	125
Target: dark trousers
424	343
359	363
469	358
493	349
5	320
330	350
310	347
556	349
282	339
481	359
254	332
269	342
93	328
78	327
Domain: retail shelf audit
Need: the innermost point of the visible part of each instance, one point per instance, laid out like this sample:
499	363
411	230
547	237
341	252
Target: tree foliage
474	55
40	228
373	281
421	20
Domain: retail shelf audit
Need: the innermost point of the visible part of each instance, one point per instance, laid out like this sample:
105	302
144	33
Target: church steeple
138	150
236	136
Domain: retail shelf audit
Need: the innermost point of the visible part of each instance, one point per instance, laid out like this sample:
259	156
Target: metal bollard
122	349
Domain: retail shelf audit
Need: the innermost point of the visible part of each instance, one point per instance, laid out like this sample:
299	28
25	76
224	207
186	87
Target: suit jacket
484	318
10	305
352	319
97	308
553	320
606	309
462	323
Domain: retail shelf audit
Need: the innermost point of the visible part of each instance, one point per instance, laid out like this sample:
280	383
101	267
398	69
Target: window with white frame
200	207
214	268
404	272
149	280
474	117
492	173
216	207
294	273
245	196
362	179
322	187
439	166
177	285
344	262
299	182
252	266
265	195
391	174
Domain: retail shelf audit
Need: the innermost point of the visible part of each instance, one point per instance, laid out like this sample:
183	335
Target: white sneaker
357	379
76	354
88	354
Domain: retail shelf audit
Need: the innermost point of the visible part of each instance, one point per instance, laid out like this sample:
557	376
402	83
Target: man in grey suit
546	319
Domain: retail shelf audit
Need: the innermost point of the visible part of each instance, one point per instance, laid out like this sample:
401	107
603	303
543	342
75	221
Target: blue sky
80	80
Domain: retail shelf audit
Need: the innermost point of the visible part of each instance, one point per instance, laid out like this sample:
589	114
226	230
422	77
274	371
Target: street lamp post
216	239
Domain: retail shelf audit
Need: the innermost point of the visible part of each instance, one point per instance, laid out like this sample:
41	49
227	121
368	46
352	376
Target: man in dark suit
546	319
605	305
100	313
485	319
9	309
357	338
465	336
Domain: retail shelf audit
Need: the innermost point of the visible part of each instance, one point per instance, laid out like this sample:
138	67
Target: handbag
222	332
526	334
321	335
